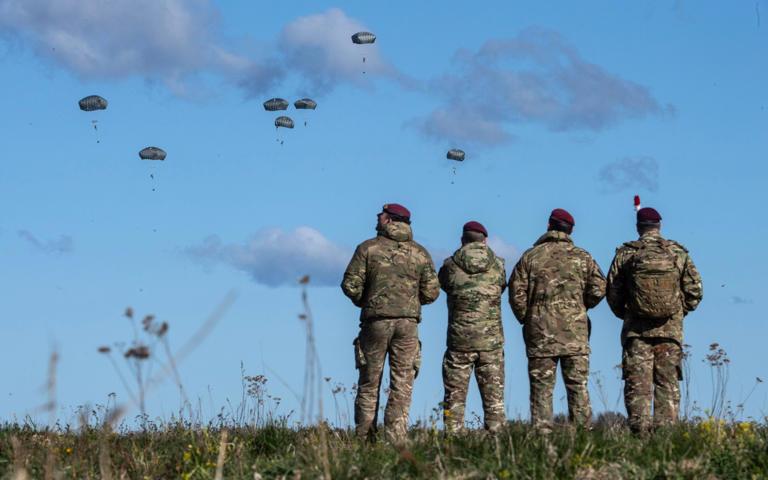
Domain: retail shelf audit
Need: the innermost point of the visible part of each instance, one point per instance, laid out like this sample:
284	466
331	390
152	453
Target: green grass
696	450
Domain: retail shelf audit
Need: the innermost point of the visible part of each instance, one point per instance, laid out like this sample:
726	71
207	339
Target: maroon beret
396	209
648	215
475	227
562	215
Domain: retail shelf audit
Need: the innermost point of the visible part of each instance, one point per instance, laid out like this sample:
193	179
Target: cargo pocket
359	355
417	361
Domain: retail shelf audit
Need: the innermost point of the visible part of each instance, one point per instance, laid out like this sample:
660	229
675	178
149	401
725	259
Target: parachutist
305	104
284	122
92	102
455	154
275	104
152	153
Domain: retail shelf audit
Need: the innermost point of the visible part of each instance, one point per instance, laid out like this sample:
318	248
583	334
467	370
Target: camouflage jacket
690	290
550	290
391	276
474	279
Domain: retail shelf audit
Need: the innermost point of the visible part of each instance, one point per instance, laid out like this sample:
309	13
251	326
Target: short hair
644	227
560	226
470	236
398	218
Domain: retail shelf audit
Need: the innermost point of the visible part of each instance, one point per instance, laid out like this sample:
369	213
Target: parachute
92	102
361	38
275	104
305	104
284	122
455	154
152	153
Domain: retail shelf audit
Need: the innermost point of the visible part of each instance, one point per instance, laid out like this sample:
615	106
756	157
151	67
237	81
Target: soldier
652	285
474	279
389	277
551	288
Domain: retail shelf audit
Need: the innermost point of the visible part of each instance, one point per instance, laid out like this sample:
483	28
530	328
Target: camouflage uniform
474	279
551	288
652	354
389	277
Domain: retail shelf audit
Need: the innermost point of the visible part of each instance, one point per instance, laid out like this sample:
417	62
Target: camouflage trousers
399	338
489	373
652	372
542	375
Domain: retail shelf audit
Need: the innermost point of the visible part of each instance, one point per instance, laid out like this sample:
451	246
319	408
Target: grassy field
703	449
250	442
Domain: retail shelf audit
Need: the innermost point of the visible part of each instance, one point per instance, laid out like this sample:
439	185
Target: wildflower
163	329
104	349
129	312
69	450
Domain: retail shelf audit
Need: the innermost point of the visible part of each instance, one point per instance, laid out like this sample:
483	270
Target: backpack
654	281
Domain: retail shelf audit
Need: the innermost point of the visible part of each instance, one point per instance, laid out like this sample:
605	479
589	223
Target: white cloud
507	251
630	172
275	257
320	47
64	244
168	40
536	77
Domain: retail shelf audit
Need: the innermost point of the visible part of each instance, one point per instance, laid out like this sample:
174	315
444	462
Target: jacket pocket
417	361
359	355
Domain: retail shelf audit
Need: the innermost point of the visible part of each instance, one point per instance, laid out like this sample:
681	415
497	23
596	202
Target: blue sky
577	106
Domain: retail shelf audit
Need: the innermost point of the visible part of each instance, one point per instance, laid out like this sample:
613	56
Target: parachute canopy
284	122
275	104
455	154
92	102
363	37
152	153
305	104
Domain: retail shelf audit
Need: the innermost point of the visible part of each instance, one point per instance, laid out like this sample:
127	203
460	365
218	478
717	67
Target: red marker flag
637	203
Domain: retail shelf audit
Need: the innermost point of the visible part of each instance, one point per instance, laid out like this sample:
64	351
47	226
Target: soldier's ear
485	239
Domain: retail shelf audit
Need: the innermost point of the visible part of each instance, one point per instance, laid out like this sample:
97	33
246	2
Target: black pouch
359	355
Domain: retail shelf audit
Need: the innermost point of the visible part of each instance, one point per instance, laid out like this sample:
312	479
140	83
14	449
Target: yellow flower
69	450
187	456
